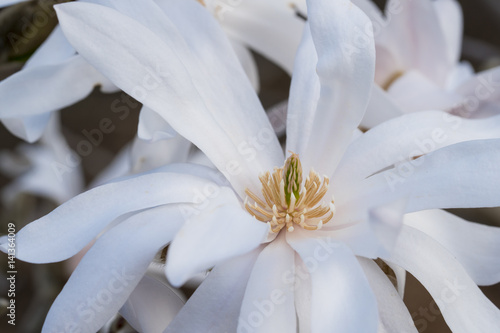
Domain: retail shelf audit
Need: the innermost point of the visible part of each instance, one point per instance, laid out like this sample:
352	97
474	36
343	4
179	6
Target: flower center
286	202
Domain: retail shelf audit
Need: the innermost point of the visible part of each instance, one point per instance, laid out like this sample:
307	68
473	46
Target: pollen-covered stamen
288	202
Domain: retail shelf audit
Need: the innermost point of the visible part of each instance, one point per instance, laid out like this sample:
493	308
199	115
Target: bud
292	175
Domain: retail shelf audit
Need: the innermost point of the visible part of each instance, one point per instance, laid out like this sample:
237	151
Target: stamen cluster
286	202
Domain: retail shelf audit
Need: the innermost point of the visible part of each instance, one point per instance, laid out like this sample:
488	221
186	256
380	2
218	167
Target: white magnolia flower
263	280
418	46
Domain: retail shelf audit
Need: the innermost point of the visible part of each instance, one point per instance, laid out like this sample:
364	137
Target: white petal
346	65
153	127
304	95
372	236
393	314
169	79
152	306
409	90
462	304
215	305
111	269
414	35
340	292
66	230
146	156
268	304
248	63
272	28
405	138
28	128
55	49
5	3
474	245
450	18
429	184
50	87
380	108
218	230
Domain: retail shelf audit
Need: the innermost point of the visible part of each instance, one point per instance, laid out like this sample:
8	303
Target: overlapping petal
88	299
475	246
340	292
163	82
66	230
463	305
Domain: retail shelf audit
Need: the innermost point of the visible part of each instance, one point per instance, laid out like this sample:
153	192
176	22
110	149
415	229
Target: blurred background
38	285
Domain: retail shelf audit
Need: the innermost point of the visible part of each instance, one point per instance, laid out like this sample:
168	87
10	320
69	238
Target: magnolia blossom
287	238
418	46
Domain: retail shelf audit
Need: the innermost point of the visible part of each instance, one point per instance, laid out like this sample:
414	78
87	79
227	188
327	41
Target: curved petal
215	305
248	63
66	230
346	65
152	306
28	128
272	28
451	20
405	138
463	305
171	75
373	236
111	269
392	312
220	229
340	292
145	156
475	246
380	108
413	92
50	87
152	126
55	49
428	182
304	95
268	304
414	34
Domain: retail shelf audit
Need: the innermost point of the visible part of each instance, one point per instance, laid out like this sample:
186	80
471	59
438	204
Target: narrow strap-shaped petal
340	291
428	183
405	138
50	87
474	245
215	305
304	95
392	311
272	28
450	18
220	229
268	304
346	66
463	305
66	230
111	269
